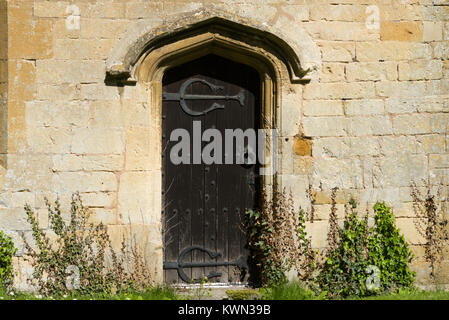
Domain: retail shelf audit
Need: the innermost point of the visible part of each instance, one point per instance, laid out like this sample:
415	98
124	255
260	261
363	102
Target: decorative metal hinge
182	97
180	264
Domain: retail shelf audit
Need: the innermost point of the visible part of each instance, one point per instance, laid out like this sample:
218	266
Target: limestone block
388	195
333	72
392	51
50	9
392	145
356	90
28	38
99	28
345	147
99	92
342	173
72	162
446	69
338	13
23	72
104	216
401	89
406	10
141	150
440	122
139	197
446	31
83	48
441	50
439	161
439	176
323	211
412	124
98	141
363	107
291	113
399	171
318	232
408	229
302	165
104	9
363	146
106	114
99	200
341	31
297	186
60	30
58	92
406	210
370	125
69	71
140	114
70	182
302	146
56	114
285	156
421	70
337	51
371	71
14	219
342	197
28	171
432	143
433	31
138	10
24	272
16	199
330	147
324	126
323	108
49	139
401	31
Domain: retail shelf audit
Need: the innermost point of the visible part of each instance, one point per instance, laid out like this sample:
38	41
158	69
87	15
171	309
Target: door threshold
211	285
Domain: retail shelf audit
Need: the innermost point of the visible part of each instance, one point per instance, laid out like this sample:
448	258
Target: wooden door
205	204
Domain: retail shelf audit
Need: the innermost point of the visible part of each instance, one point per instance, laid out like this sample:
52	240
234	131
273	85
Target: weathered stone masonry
369	117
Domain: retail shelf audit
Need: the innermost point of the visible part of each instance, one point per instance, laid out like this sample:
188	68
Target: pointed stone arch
300	56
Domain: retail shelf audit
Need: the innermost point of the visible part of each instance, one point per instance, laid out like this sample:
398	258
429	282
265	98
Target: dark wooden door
204	204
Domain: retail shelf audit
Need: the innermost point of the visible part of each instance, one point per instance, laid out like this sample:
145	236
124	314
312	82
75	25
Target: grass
413	295
289	291
156	293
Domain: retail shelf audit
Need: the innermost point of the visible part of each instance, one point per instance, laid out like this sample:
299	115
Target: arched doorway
144	55
205	192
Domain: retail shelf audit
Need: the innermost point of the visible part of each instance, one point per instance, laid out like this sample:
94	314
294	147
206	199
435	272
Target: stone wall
3	76
373	118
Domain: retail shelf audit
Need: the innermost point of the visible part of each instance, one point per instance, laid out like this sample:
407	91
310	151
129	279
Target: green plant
80	260
367	261
7	251
343	272
389	251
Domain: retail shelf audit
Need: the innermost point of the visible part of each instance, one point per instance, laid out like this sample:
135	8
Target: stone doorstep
213	291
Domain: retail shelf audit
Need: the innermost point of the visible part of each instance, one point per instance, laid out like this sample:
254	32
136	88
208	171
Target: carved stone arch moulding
300	54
